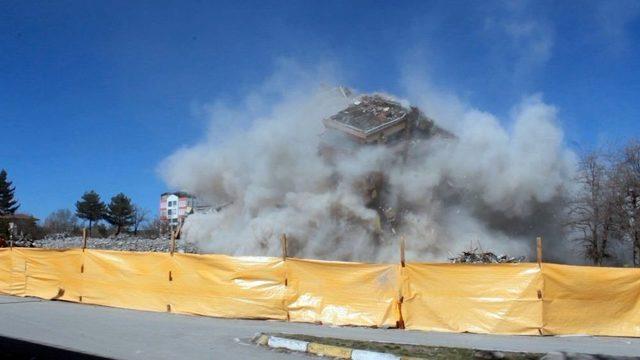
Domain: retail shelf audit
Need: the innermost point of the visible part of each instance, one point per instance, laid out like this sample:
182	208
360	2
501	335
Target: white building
176	206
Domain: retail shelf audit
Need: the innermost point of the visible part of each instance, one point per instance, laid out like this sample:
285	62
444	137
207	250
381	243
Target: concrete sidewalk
129	334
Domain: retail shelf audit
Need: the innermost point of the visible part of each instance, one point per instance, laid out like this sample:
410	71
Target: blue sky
93	95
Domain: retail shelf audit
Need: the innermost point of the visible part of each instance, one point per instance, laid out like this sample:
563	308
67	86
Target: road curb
337	352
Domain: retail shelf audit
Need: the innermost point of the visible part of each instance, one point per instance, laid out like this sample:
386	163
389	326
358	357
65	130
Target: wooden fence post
400	322
84	246
173	242
539	258
402	262
539	250
283	245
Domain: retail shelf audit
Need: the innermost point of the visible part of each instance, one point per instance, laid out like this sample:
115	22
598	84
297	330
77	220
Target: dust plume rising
493	186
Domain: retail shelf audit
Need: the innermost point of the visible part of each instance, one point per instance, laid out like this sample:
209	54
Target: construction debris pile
122	242
475	256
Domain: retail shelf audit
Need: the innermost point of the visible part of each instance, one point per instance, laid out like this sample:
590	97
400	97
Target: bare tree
157	227
591	210
626	182
61	221
140	217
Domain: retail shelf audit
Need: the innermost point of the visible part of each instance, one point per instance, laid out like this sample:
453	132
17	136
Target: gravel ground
121	242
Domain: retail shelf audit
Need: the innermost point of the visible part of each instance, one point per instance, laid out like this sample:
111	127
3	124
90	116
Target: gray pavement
129	334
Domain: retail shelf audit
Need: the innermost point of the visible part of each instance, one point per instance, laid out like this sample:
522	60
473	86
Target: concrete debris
122	242
475	256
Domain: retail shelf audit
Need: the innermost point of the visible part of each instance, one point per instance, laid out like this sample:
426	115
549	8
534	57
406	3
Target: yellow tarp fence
342	293
496	298
524	299
591	300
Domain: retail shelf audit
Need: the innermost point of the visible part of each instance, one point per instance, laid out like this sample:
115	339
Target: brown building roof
369	114
375	118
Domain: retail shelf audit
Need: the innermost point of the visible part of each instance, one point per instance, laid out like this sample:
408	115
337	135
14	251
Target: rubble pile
475	256
122	242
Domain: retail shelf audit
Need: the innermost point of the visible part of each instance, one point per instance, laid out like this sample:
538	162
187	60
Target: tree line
121	213
603	211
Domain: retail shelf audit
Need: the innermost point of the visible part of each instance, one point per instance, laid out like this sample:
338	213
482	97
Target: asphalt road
129	334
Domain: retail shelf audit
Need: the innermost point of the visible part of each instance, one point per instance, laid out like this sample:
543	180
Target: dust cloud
493	186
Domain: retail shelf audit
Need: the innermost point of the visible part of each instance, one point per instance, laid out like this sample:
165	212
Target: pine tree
90	208
120	212
8	205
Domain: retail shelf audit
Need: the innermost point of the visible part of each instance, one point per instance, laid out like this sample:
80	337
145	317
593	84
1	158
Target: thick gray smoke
490	187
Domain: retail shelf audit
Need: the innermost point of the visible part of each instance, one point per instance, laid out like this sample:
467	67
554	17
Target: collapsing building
374	119
377	120
345	175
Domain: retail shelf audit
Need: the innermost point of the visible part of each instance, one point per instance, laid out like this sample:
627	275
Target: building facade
176	206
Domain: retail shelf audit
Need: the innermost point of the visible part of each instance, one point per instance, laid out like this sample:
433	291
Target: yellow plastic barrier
5	270
342	293
498	299
591	300
18	282
225	286
52	274
132	280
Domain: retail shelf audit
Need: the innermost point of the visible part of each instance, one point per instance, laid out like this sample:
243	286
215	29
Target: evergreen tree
120	212
90	208
8	205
